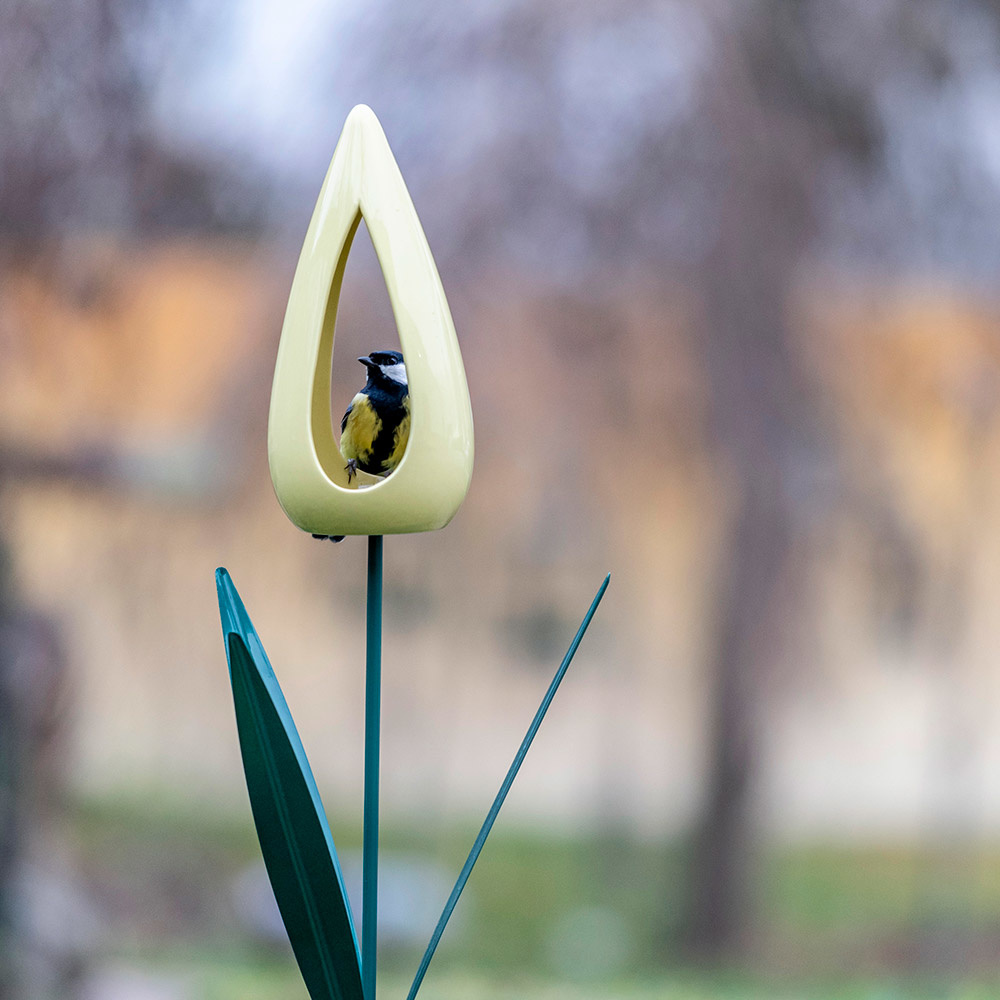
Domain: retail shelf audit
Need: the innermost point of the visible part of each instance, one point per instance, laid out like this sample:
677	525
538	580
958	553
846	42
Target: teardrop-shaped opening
361	414
373	428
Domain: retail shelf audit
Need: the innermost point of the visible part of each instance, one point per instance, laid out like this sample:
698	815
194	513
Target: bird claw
352	470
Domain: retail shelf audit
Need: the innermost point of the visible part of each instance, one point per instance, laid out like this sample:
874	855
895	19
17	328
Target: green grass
232	977
885	923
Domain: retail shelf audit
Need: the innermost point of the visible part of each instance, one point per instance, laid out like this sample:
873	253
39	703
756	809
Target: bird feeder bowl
307	468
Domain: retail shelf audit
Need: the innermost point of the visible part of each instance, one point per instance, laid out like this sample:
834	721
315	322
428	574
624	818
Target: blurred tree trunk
778	118
763	429
34	961
37	957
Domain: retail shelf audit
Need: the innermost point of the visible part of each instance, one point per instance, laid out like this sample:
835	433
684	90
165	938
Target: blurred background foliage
724	275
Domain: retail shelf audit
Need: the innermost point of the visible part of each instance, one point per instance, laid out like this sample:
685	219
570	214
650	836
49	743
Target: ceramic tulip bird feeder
321	496
307	468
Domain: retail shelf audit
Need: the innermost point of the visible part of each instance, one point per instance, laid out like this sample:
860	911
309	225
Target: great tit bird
376	426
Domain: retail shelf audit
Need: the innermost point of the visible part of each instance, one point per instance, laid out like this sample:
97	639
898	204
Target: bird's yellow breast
399	439
361	429
361	432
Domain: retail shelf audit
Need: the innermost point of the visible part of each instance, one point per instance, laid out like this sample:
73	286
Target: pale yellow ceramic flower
307	469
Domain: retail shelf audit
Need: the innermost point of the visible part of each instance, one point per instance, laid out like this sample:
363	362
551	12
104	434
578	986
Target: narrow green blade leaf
294	835
484	832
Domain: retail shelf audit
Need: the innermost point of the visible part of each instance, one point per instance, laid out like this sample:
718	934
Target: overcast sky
535	120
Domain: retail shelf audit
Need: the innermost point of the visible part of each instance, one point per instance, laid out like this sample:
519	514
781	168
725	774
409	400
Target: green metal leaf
294	835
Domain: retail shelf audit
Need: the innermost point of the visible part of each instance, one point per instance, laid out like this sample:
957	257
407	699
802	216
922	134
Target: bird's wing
347	413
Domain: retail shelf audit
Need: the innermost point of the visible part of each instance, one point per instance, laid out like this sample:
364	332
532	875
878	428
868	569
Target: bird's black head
385	367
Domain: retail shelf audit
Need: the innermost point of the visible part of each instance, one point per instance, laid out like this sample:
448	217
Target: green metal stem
491	816
373	698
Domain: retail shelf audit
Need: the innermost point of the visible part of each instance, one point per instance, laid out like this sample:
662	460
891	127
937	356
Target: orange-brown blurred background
725	281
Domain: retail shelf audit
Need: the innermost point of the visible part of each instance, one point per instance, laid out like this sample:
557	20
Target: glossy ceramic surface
307	469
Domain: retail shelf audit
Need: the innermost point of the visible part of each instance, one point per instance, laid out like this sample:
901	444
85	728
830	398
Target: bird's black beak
368	363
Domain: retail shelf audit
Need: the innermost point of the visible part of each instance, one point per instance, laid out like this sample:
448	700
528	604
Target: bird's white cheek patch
396	372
